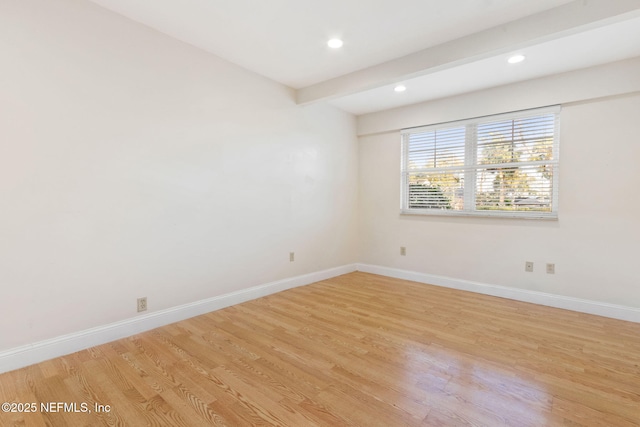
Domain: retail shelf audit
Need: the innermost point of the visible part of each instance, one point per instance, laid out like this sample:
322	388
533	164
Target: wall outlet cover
142	304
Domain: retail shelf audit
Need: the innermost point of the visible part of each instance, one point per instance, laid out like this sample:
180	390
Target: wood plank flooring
355	350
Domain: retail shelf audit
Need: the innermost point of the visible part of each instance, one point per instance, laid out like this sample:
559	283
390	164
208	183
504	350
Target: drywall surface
135	165
594	244
616	78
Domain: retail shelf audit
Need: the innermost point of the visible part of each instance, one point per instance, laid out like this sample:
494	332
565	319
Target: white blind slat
510	161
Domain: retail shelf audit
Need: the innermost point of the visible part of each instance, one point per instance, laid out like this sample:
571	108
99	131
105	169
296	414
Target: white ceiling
585	49
285	40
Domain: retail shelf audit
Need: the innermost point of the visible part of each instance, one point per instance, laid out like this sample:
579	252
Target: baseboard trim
20	357
614	311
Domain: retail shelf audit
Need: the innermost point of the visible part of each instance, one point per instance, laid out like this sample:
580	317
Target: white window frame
471	168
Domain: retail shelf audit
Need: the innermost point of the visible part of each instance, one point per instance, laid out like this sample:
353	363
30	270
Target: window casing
504	165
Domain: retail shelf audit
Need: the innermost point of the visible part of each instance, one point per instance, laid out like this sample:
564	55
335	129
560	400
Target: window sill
546	216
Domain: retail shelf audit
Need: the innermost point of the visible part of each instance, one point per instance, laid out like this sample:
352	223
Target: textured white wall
134	165
594	244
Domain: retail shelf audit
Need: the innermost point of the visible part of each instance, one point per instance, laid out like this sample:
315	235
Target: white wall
594	244
135	165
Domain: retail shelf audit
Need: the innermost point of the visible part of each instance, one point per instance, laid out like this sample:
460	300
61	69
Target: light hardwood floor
358	349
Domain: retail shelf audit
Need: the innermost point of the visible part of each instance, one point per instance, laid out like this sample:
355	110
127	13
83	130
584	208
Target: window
503	165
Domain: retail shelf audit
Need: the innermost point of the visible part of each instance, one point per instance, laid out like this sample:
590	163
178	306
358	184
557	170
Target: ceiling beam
562	21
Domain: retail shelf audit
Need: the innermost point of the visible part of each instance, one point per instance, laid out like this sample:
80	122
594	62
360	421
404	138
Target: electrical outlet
551	269
142	304
292	256
528	267
403	251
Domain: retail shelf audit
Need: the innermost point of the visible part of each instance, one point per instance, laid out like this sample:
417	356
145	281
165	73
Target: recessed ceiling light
400	88
335	43
515	59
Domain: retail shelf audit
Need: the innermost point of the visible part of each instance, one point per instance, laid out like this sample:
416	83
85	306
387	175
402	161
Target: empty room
320	213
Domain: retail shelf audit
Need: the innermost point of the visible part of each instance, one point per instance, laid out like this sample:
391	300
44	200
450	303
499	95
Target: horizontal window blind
502	165
437	148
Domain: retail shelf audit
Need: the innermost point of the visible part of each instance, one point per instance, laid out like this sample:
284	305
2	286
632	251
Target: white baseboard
55	347
614	311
